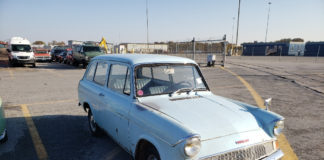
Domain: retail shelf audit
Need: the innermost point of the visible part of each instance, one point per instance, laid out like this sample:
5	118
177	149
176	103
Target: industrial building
141	48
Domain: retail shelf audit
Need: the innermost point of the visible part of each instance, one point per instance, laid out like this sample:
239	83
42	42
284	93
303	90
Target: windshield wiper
199	89
181	90
188	90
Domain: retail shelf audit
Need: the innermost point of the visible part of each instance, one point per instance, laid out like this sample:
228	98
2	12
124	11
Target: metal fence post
194	48
224	54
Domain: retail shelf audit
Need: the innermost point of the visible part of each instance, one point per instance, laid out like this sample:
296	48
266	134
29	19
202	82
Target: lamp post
232	35
147	26
267	23
238	22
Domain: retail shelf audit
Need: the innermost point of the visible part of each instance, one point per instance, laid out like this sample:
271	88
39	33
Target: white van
20	52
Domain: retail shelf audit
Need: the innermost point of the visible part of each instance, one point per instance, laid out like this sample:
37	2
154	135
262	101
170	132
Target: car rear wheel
5	138
94	128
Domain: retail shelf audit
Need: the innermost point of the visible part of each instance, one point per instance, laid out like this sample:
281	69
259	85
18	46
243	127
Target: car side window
119	79
91	71
101	72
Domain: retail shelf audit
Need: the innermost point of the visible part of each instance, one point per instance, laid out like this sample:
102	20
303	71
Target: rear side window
91	71
119	79
101	71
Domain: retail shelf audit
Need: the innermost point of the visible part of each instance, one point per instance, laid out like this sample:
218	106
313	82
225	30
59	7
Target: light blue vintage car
160	107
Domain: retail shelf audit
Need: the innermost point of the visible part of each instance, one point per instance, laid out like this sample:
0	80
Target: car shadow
63	136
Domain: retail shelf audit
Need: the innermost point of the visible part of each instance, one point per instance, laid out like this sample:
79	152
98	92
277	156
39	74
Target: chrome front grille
23	57
248	153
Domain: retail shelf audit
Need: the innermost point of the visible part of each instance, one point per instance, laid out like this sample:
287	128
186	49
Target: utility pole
238	23
232	35
147	26
267	23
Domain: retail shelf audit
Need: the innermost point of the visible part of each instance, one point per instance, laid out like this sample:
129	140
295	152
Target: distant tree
284	40
60	43
39	43
297	40
52	43
287	40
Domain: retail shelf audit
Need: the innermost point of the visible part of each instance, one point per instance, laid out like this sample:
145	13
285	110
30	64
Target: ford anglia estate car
160	107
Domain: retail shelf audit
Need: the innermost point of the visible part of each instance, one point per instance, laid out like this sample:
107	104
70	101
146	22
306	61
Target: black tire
94	128
34	65
5	138
150	153
84	65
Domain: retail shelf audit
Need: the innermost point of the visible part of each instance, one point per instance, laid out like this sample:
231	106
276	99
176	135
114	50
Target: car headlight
278	127
86	57
192	146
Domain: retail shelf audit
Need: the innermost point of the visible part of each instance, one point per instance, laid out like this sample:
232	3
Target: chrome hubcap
92	123
151	157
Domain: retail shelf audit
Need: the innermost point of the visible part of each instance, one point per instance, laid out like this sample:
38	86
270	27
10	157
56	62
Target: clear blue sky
176	20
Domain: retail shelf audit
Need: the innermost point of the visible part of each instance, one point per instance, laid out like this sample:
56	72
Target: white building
141	48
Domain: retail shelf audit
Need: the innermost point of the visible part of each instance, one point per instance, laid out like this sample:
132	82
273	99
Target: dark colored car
56	51
84	53
61	57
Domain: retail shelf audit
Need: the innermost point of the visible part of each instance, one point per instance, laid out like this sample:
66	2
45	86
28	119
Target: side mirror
267	103
8	50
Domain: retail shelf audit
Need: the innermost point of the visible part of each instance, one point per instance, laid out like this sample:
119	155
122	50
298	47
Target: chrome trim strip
276	155
244	147
185	138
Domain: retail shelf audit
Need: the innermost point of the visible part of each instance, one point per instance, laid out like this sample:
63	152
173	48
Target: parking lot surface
44	120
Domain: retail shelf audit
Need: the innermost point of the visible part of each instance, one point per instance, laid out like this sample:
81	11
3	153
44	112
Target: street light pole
238	22
147	26
267	23
232	35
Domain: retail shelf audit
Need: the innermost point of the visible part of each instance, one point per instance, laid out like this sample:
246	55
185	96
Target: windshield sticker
168	71
140	92
198	80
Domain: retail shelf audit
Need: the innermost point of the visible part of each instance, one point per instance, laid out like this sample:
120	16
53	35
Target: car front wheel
151	154
94	129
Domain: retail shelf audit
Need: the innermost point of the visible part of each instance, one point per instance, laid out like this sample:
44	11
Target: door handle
101	94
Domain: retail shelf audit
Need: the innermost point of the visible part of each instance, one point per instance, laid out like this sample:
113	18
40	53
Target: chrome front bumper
276	155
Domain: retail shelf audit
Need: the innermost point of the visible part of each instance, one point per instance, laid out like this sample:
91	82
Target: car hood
205	114
93	54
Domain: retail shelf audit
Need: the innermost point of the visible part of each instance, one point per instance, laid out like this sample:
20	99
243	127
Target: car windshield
91	49
156	79
21	48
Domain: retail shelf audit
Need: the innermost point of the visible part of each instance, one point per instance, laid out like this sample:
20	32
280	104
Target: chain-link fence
202	51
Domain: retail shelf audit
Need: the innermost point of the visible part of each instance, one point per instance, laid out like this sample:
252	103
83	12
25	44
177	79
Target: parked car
42	55
69	57
160	107
20	52
84	53
3	131
61	57
56	51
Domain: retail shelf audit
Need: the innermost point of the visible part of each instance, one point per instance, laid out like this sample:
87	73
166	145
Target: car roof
135	59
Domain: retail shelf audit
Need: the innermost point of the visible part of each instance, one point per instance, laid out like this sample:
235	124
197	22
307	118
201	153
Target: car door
89	89
118	102
99	87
